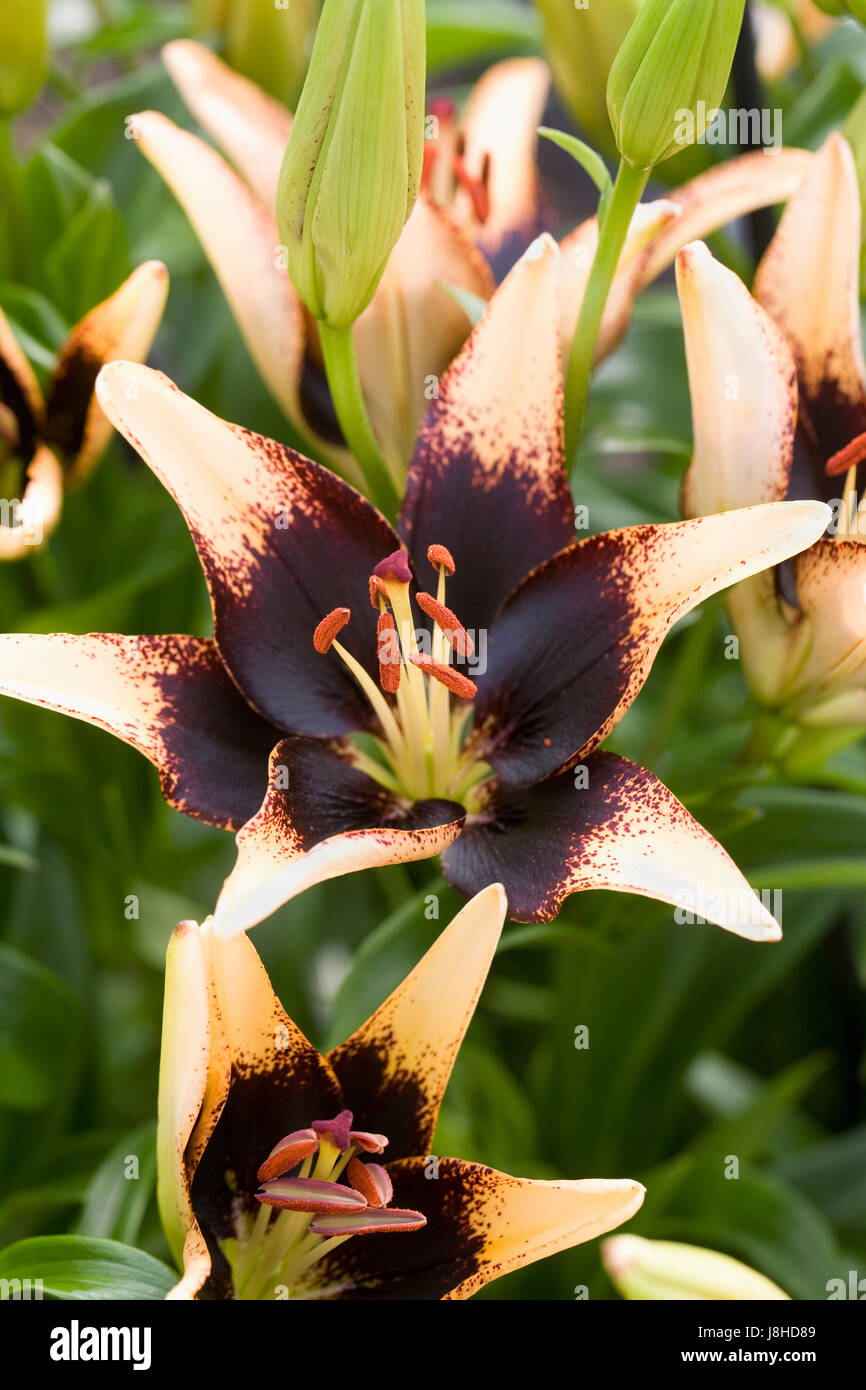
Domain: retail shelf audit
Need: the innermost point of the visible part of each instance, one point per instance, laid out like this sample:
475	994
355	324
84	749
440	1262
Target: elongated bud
269	41
581	44
23	53
352	165
662	1270
840	8
670	75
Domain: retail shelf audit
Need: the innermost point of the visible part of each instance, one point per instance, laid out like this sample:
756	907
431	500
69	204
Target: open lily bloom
475	734
49	442
270	1183
779	404
481	190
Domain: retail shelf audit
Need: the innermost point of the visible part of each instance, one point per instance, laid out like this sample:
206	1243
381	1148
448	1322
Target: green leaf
77	1267
41	1033
121	1188
586	157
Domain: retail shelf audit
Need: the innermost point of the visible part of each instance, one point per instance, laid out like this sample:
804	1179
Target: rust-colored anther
446	675
377	590
846	458
389	654
328	628
448	622
441	558
372	1181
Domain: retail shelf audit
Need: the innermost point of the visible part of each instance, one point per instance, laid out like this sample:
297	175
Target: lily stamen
422	743
315	1212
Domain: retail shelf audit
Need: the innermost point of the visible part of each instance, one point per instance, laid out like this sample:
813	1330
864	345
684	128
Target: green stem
12	199
338	349
627	191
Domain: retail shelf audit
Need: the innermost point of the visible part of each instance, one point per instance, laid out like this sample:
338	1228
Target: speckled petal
412	329
395	1068
321	818
169	697
481	1224
122	326
282	542
608	824
487	479
809	283
248	125
572	647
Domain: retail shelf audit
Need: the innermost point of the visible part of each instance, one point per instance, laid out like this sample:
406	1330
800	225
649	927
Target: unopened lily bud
669	76
663	1270
269	42
581	45
352	165
840	8
23	53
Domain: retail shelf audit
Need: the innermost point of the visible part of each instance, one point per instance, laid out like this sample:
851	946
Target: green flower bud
352	165
675	63
581	45
23	53
266	40
844	7
653	1270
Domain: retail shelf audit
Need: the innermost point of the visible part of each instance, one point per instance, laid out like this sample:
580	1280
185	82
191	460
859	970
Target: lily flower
270	1179
444	687
779	404
480	194
51	442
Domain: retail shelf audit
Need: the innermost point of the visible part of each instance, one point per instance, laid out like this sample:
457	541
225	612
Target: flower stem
627	191
338	349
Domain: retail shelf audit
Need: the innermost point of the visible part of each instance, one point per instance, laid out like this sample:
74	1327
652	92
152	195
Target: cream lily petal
636	583
577	255
500	125
38	511
282	850
409	1045
493	435
169	697
122	326
743	388
411	330
225	1047
240	239
831	588
613	826
661	229
731	190
249	126
520	1221
185	1063
809	280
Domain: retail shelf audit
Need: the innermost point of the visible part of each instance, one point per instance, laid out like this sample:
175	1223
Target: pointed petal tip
543	248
